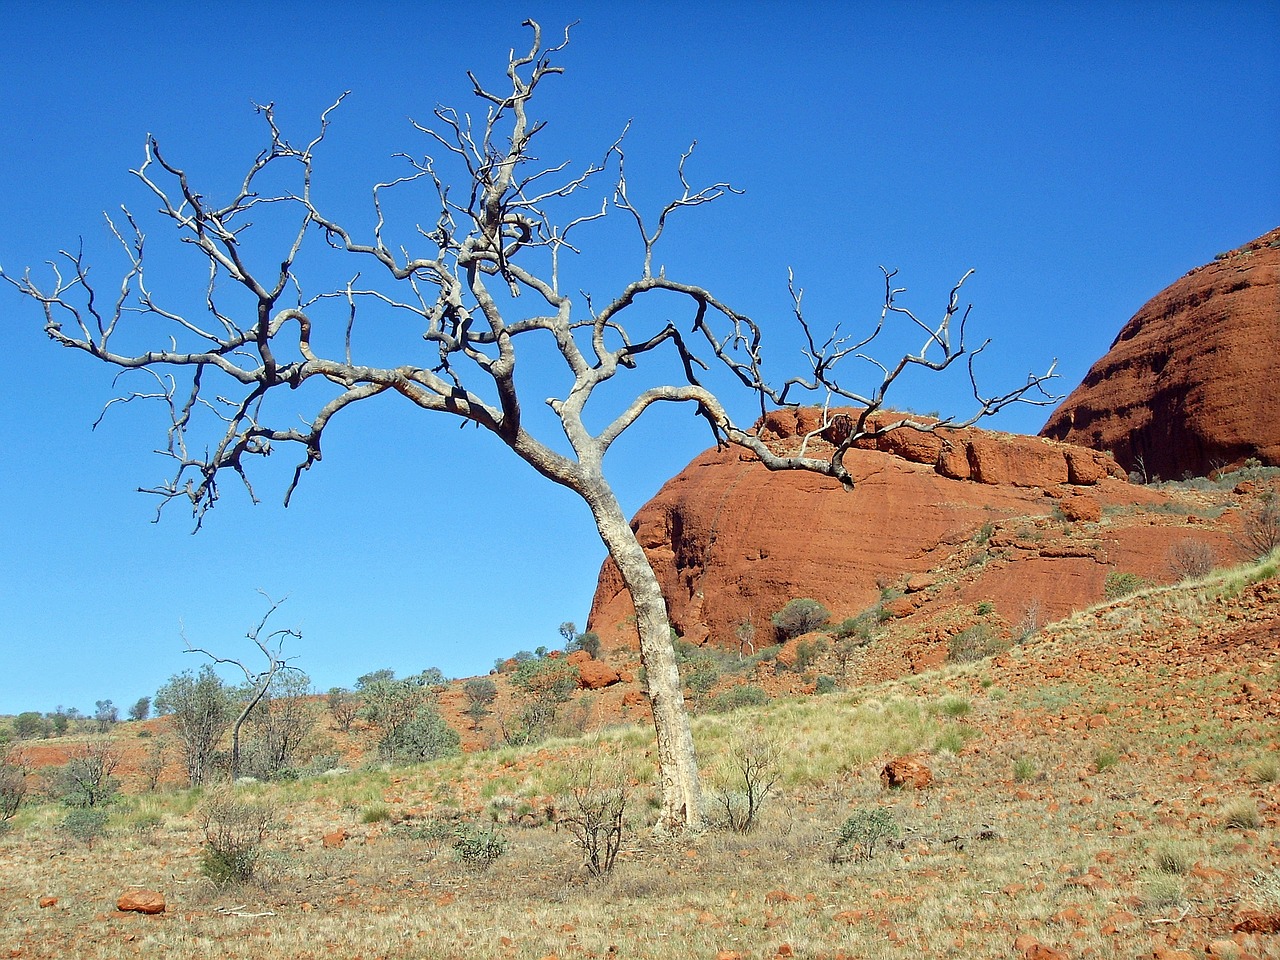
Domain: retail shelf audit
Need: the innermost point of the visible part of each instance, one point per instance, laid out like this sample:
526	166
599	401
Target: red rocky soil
1190	383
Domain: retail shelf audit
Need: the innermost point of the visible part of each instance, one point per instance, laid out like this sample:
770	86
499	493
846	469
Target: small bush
1260	533
594	811
13	789
1117	584
1171	860
1105	759
955	706
85	824
1023	768
735	698
434	833
986	608
477	847
1241	814
424	738
862	833
824	684
85	780
375	813
1190	560
800	616
973	644
1266	770
233	830
750	773
1163	891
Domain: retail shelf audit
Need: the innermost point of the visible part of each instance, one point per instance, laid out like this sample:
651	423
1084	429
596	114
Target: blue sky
1079	156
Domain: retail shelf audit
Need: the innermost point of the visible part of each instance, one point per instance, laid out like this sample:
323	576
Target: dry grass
1023	831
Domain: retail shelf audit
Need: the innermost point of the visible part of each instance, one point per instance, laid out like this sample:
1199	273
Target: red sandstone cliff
1193	380
732	542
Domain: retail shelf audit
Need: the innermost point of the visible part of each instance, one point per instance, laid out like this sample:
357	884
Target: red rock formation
732	542
1192	381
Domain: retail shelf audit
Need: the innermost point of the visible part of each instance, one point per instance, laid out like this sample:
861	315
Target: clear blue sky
1079	156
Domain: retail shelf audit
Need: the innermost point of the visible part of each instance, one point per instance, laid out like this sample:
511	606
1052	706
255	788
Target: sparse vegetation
595	810
749	775
234	829
1117	584
974	643
1242	814
1190	560
861	835
800	616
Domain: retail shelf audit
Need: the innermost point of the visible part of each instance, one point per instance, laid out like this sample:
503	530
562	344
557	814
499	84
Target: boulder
1191	380
906	772
595	675
141	901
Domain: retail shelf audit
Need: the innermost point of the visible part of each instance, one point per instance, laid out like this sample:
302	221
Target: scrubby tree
202	708
86	780
393	705
344	707
469	291
105	715
800	616
480	693
141	709
257	683
279	726
29	725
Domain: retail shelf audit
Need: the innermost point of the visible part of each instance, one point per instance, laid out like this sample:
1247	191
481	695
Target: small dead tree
477	286
257	683
594	812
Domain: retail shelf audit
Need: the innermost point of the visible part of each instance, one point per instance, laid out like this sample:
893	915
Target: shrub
375	813
550	679
1023	768
972	644
986	608
85	780
824	684
737	697
85	824
752	773
1260	533
480	693
862	833
1105	759
13	789
423	738
477	847
1190	560
233	833
1117	584
1171	860
798	617
594	811
1242	814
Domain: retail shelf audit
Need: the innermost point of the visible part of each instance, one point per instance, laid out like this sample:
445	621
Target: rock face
1192	380
732	542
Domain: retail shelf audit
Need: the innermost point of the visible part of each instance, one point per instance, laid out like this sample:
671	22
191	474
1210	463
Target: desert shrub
344	707
1171	859
824	684
590	642
423	738
29	725
737	697
1163	890
233	833
531	724
1260	533
1029	625
749	773
1190	559
13	789
975	643
434	833
480	692
1117	584
862	833
1024	768
478	847
375	813
955	706
798	617
594	812
1266	770
551	679
986	608
1241	814
1105	759
85	824
807	651
85	780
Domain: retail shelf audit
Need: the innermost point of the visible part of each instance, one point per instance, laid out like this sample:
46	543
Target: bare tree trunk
677	762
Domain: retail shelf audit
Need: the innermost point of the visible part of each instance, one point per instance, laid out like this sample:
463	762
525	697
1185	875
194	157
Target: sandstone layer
732	542
1192	381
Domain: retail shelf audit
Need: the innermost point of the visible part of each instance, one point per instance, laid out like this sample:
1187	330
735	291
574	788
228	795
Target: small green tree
86	780
201	707
141	709
800	616
425	737
393	704
29	725
344	707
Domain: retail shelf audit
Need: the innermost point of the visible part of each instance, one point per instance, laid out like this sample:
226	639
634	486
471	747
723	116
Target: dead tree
476	287
257	683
